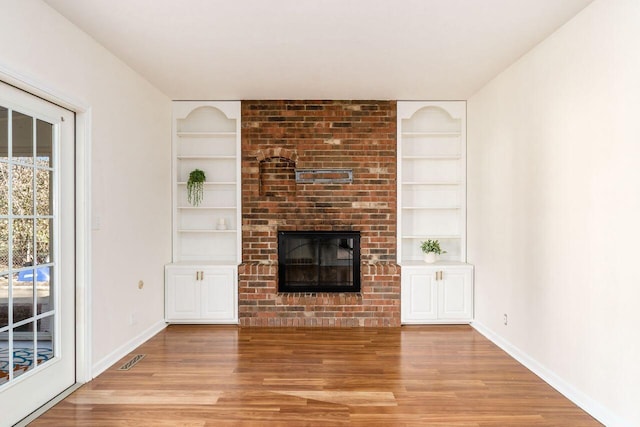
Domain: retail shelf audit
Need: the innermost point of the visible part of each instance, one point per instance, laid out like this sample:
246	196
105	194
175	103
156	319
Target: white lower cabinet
437	294
201	294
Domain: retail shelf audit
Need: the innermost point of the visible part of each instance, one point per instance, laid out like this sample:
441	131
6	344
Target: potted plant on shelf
431	249
195	186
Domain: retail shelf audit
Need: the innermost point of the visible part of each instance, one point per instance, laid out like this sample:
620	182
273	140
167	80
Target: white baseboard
589	405
126	348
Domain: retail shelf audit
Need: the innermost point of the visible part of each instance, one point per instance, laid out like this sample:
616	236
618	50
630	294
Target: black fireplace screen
318	261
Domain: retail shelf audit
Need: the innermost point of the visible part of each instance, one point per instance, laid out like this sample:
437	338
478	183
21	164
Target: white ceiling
319	49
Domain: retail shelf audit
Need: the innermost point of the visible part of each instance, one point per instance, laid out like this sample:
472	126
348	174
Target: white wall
554	207
130	138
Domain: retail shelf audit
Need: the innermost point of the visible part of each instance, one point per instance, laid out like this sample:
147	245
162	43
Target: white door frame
83	210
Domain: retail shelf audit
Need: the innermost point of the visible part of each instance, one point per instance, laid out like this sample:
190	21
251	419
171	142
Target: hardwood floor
223	376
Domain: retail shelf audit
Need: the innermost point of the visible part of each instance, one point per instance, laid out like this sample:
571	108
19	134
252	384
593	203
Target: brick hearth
277	138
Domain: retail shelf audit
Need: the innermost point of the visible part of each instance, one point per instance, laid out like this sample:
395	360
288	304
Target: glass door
37	354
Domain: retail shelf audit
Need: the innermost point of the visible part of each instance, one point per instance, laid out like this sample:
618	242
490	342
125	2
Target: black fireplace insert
318	261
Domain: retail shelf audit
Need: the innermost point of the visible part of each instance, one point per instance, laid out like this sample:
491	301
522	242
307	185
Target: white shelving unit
431	188
206	136
432	205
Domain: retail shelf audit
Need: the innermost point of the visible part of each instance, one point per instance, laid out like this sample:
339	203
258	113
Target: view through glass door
37	260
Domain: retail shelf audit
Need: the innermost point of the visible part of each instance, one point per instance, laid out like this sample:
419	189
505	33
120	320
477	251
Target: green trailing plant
431	246
195	186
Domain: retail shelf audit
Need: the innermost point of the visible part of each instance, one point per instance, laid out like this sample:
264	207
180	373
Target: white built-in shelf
201	282
432	177
432	205
206	134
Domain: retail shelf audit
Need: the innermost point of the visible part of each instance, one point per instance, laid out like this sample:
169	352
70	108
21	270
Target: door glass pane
4	188
45	339
4	167
22	181
22	296
44	191
44	283
4	302
23	333
22	245
43	239
4	245
44	143
4	358
23	357
22	141
4	134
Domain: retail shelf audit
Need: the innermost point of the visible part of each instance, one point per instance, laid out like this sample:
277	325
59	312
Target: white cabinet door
419	295
218	294
201	294
183	294
455	294
437	294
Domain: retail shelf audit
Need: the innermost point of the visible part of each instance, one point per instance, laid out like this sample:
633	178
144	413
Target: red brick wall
279	136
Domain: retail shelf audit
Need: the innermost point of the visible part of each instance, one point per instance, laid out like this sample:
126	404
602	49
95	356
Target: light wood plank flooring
228	376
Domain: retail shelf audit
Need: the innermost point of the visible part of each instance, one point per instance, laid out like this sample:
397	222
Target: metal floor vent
131	363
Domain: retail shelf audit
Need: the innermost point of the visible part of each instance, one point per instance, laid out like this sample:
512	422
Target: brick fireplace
280	137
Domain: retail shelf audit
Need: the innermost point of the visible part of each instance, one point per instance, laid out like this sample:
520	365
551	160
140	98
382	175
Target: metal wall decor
324	176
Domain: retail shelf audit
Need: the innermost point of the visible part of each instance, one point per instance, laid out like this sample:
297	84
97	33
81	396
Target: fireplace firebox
319	261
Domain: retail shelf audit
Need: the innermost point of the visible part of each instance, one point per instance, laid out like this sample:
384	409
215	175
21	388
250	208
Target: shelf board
206	208
211	183
419	262
431	133
207	231
431	183
432	236
456	157
205	134
206	157
204	263
448	208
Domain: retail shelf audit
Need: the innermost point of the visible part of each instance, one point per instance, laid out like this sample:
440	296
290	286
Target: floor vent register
131	363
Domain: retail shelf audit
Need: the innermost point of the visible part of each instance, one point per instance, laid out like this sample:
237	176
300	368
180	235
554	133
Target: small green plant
431	246
195	186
